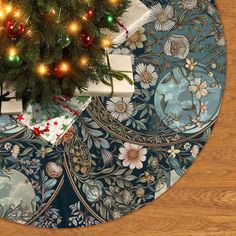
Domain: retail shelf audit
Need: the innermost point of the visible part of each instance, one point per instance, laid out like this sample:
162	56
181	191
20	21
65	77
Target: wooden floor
203	202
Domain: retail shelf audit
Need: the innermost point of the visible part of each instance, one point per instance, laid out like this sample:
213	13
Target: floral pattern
132	155
123	153
146	75
177	46
163	17
136	40
120	108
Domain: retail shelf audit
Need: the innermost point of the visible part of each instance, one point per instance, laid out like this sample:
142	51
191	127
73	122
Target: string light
64	66
114	2
83	61
53	11
2	15
12	51
74	27
42	69
106	42
12	59
17	14
8	8
62	69
5	10
110	18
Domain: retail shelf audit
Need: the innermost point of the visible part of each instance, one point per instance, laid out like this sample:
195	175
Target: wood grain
203	202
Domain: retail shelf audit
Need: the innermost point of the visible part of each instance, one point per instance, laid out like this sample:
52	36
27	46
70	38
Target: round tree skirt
123	153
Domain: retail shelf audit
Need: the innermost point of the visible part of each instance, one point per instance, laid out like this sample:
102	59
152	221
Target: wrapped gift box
9	104
122	88
131	21
52	123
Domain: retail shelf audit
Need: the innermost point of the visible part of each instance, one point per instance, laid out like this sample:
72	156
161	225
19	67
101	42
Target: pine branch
45	45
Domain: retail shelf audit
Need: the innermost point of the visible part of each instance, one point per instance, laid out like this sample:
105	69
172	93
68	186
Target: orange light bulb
42	69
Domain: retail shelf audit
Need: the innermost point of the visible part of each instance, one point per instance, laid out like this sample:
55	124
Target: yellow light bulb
53	11
8	8
64	66
114	2
83	61
84	18
12	51
2	15
106	42
74	27
42	69
17	14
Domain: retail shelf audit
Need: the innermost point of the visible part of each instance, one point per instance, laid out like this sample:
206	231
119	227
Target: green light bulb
110	18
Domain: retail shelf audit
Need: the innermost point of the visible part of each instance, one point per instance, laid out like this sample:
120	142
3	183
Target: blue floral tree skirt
123	153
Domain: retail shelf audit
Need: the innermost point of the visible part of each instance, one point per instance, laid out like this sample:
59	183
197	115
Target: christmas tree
49	48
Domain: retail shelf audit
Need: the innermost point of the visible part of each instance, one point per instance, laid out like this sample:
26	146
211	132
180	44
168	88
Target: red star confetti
20	118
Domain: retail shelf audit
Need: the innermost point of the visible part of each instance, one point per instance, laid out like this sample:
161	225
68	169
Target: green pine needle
48	45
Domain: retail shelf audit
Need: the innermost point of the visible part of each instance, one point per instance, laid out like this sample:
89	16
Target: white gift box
133	19
10	105
122	88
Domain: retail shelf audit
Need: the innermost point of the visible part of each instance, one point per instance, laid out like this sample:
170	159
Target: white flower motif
220	40
189	4
136	40
163	17
7	146
120	108
146	75
187	146
203	107
92	189
173	151
15	151
195	151
132	155
116	214
197	122
190	64
200	89
213	65
177	46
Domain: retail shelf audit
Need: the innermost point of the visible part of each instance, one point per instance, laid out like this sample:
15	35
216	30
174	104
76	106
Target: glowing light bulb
2	15
12	51
106	42
8	8
114	2
74	27
64	66
17	14
42	69
83	61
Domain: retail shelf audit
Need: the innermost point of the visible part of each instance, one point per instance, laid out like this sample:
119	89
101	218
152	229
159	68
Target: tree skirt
123	153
